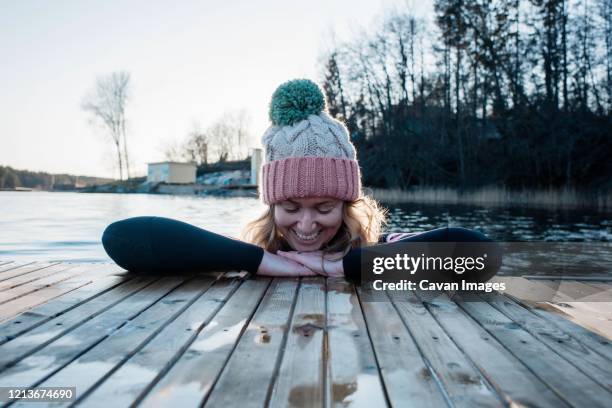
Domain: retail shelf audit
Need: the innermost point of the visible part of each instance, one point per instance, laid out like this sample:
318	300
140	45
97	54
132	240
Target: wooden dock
226	340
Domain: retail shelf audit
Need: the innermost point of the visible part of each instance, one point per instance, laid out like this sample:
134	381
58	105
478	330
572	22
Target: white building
255	166
171	172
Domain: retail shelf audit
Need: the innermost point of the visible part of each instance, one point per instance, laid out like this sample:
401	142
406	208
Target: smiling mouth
303	237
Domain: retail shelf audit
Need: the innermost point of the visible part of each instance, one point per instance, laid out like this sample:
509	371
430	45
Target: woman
317	219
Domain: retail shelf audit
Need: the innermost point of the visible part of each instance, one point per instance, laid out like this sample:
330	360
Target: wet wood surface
228	339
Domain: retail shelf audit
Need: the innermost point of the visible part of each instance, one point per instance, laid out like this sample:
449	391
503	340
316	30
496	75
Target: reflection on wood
232	340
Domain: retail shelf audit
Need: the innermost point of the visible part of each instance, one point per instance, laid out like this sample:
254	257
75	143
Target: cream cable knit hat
307	152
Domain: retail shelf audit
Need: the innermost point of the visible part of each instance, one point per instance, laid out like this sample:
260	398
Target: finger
296	263
319	273
293	256
292	259
304	271
314	271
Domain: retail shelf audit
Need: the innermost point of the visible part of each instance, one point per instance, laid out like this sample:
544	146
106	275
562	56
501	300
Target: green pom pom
294	100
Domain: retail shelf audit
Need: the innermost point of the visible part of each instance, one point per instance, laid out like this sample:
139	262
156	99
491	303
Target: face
308	223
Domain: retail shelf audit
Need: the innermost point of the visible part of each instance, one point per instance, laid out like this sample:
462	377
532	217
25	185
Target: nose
307	222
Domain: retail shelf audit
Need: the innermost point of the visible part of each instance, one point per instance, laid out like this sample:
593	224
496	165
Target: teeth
307	237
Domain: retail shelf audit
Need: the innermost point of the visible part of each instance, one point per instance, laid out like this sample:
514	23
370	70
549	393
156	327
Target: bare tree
174	150
107	104
605	14
228	137
196	146
516	92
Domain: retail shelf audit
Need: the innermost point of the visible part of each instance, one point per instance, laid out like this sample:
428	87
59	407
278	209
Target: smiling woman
317	217
311	180
306	223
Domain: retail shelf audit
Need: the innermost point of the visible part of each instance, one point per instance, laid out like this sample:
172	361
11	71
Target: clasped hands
296	263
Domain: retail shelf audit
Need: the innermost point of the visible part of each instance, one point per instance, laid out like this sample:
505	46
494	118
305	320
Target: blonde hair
362	223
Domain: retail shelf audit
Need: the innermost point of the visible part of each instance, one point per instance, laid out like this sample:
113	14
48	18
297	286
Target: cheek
283	221
332	221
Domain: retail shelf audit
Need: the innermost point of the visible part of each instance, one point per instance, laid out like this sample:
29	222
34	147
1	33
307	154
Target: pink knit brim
299	177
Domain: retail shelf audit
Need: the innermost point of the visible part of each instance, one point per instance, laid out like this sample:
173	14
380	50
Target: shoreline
569	199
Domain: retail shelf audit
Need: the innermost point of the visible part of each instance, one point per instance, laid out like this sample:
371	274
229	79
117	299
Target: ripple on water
74	234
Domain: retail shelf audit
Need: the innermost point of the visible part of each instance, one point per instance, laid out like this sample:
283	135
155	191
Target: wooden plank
594	341
13	265
407	378
578	291
191	378
37	338
593	303
603	286
552	291
463	384
600	278
8	265
603	292
45	362
24	269
301	375
132	379
586	314
527	290
110	353
592	364
511	379
33	299
258	350
43	313
353	377
31	277
560	375
52	275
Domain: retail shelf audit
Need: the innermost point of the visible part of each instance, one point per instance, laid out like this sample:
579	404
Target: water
42	226
506	224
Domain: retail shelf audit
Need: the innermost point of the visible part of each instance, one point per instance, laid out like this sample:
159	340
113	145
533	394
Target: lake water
42	226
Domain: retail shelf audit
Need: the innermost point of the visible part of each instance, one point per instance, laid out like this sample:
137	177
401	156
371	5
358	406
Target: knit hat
307	152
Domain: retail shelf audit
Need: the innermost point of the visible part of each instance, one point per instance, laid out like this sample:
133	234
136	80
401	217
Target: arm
164	245
351	263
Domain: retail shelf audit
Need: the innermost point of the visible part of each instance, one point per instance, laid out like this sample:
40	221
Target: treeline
225	140
510	93
11	178
229	165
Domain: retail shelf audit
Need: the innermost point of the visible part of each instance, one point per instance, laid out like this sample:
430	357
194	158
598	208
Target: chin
315	246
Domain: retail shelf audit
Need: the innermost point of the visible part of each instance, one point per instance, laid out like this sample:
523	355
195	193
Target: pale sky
189	61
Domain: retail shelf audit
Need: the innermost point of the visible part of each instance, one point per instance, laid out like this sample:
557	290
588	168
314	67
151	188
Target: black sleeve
352	260
165	245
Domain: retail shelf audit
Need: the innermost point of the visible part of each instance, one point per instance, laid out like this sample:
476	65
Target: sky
189	61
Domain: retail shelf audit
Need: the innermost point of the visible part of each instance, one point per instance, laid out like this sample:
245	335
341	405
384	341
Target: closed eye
326	208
